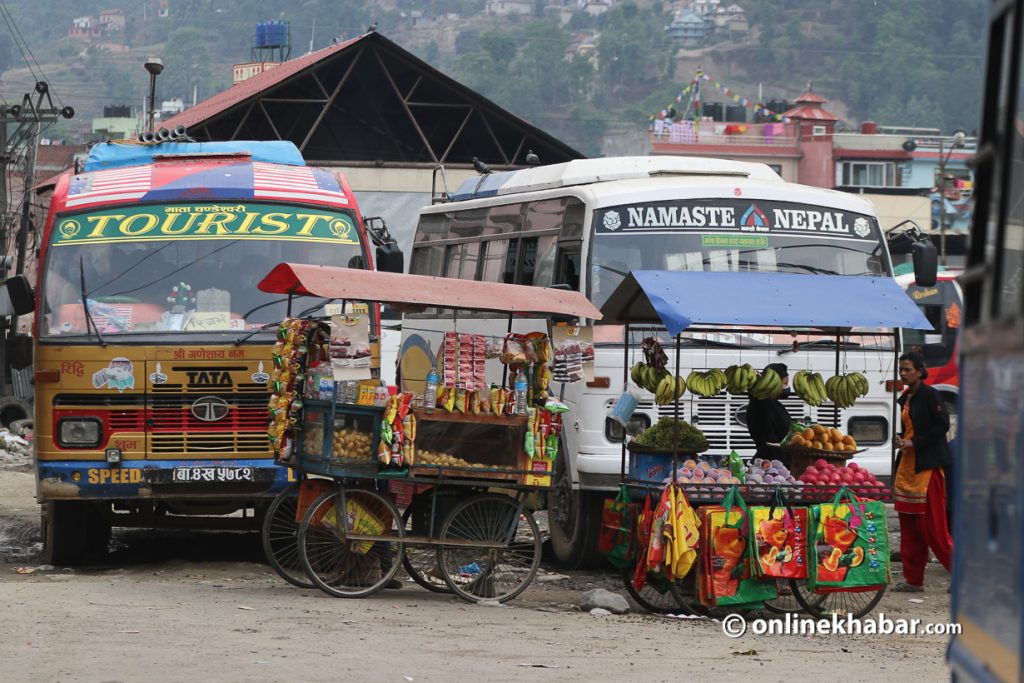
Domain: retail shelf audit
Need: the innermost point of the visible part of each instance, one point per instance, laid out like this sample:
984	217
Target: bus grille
194	443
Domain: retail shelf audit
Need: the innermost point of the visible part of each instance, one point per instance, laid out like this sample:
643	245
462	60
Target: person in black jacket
919	485
768	421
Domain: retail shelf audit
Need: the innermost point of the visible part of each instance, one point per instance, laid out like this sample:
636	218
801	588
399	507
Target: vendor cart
470	462
647	303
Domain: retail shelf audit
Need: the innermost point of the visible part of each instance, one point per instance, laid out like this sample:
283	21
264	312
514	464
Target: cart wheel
420	561
824	605
687	589
281	538
354	554
658	597
787	602
490	548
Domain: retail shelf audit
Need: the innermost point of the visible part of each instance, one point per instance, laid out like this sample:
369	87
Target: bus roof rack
107	155
586	171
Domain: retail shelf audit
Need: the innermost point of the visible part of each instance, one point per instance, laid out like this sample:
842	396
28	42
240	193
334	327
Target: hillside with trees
911	63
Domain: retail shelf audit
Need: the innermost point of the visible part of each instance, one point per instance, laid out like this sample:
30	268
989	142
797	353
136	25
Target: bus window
461	260
432	227
512	259
572	223
544	269
500	220
567	269
1007	285
546	214
427	261
494	260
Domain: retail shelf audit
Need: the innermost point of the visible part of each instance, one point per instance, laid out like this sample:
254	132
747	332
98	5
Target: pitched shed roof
368	99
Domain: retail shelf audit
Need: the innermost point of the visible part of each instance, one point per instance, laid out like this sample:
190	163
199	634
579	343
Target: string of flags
671	111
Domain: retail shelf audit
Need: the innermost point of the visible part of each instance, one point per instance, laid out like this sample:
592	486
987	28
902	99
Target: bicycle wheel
280	538
355	553
659	596
824	605
490	548
687	589
420	561
787	602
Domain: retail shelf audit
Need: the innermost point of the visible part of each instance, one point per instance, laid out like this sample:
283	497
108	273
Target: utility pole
19	136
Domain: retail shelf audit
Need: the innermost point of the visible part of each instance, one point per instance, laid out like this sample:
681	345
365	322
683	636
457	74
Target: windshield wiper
262	328
612	270
819	342
85	303
809	269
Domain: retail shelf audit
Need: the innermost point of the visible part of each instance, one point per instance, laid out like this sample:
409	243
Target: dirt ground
178	606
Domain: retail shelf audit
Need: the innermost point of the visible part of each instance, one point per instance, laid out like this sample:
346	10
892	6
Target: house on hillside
688	30
112	20
597	7
85	27
509	7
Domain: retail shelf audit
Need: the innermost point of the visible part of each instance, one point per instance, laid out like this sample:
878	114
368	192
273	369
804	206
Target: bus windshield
182	268
719	235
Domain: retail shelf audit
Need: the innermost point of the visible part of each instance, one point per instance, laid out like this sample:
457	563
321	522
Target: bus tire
14	409
574	522
74	533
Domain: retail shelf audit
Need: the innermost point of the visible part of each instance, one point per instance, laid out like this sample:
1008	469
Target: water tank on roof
261	35
777	106
276	34
117	111
712	109
736	113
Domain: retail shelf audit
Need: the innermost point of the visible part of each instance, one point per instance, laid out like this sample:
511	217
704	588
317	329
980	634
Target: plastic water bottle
520	388
430	393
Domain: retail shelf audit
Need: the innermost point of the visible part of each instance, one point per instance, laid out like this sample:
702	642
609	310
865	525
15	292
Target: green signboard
205	222
741	241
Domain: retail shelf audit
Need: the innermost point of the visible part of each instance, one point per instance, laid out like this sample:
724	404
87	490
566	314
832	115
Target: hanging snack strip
397	447
291	353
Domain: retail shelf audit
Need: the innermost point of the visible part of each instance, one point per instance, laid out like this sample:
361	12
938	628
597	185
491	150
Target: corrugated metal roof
251	87
423	290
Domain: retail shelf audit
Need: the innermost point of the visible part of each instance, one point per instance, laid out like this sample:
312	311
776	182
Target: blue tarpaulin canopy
680	299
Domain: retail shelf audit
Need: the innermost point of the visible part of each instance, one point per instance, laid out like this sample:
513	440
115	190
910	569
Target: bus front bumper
98	480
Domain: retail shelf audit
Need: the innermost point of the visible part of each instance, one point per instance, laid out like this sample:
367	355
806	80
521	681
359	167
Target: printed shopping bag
662	516
778	539
682	536
616	529
641	543
728	577
849	549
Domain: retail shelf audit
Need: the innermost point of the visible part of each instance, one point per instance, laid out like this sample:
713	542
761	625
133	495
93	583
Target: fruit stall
820	456
465	453
711	533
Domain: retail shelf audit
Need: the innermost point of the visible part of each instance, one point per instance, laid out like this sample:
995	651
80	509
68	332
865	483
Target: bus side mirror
20	292
926	263
390	258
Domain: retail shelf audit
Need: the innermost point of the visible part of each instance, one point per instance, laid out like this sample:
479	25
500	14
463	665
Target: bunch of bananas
768	385
665	386
706	384
844	390
669	389
810	387
739	378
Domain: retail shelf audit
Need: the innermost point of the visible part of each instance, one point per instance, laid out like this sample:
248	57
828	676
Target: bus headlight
79	432
868	431
637	423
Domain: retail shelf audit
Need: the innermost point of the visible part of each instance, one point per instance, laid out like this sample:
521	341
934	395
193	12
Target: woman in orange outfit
920	485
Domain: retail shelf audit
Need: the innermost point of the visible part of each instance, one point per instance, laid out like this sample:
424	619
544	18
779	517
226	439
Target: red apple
820	463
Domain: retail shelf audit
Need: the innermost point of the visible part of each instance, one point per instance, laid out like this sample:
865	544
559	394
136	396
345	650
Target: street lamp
154	65
959	140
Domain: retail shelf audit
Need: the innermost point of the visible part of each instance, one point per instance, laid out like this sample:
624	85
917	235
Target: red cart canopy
397	288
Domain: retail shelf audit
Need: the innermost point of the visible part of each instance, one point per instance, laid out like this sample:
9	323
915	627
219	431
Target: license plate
212	474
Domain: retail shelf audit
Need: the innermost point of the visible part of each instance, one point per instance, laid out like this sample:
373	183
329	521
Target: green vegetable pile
664	434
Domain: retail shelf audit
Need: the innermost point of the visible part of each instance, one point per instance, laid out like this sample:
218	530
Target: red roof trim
254	86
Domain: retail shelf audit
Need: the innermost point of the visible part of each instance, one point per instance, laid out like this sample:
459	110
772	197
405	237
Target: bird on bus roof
481	167
531	158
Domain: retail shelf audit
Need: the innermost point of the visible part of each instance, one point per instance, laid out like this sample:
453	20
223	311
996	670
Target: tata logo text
209	378
210	408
